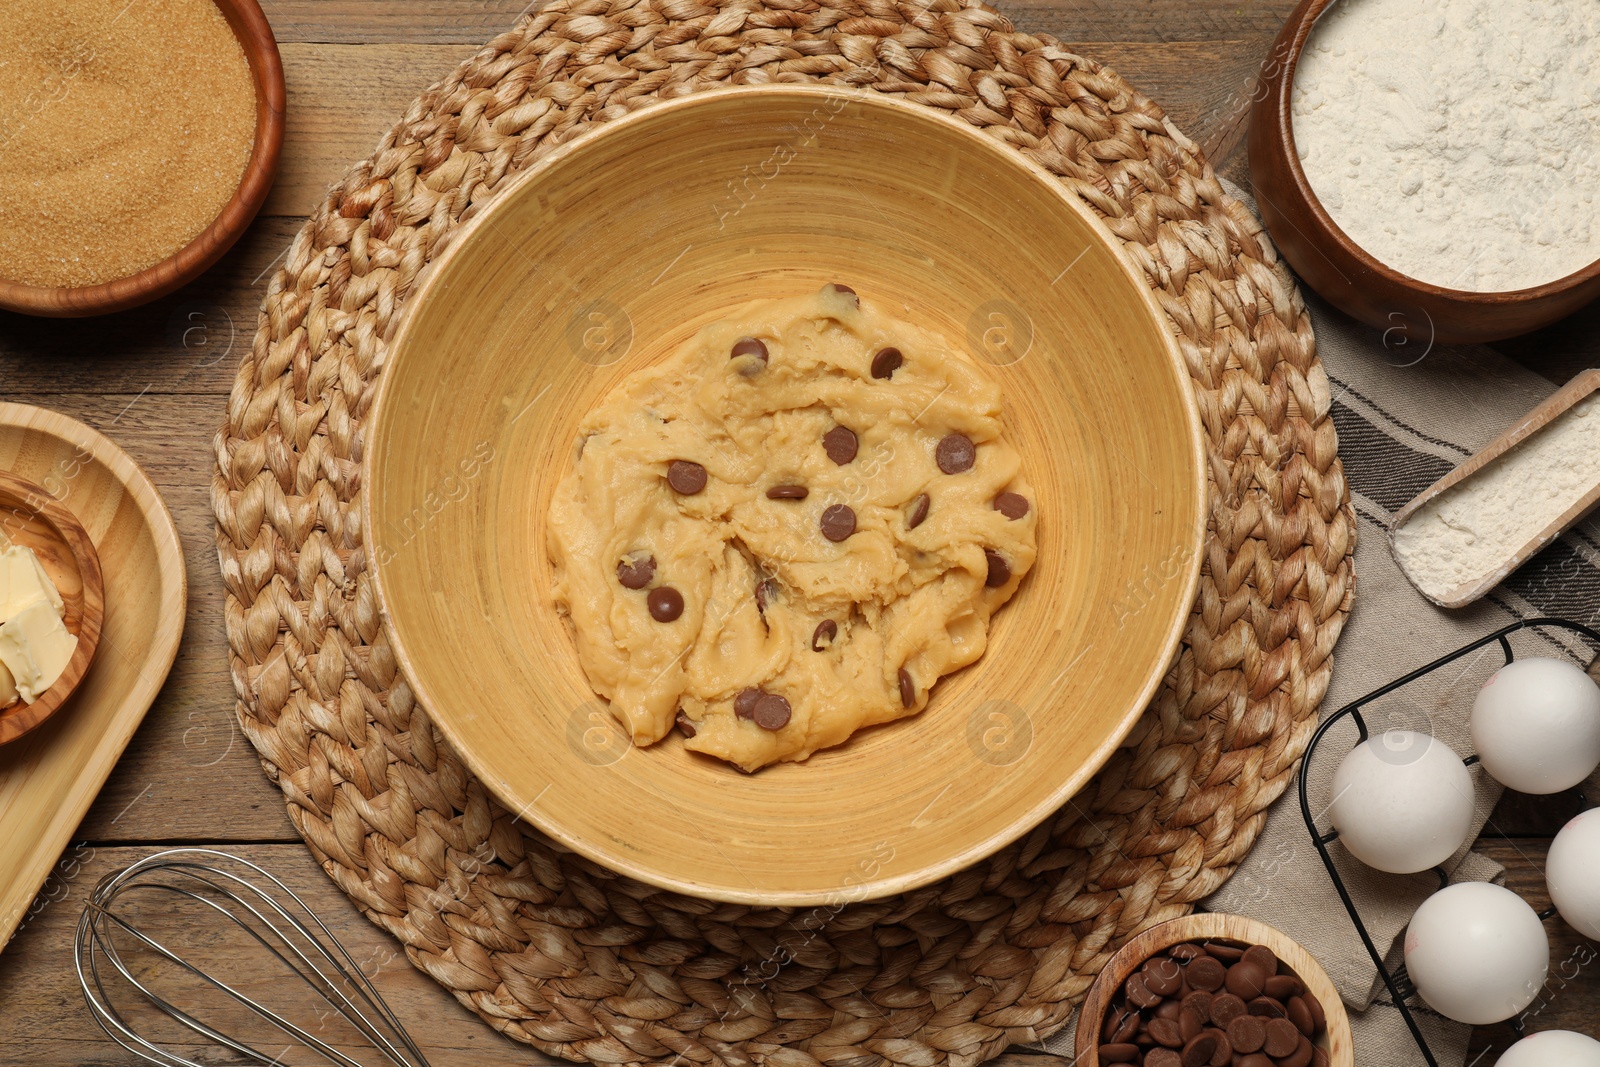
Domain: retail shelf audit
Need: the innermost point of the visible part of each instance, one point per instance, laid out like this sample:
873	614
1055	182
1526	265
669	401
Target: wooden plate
1213	926
49	777
31	518
260	47
619	245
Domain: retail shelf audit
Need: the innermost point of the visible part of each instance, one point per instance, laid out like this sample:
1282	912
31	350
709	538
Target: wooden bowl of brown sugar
139	142
1213	990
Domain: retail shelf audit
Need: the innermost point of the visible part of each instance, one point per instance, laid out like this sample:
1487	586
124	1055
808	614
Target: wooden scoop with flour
1465	533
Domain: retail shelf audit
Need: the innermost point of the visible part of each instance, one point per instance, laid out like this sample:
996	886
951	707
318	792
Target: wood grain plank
475	21
1143	20
46	1023
188	342
391	21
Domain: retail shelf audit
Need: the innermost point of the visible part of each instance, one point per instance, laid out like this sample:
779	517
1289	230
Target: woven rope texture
580	962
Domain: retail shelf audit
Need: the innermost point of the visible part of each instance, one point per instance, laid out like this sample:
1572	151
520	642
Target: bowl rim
251	29
1207	926
17	721
1297	30
877	886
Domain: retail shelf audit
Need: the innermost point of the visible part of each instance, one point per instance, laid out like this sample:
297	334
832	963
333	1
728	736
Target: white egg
1477	953
1553	1048
1572	871
1402	802
1536	725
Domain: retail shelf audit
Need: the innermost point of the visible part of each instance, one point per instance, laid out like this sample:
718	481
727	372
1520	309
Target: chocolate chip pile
1214	1004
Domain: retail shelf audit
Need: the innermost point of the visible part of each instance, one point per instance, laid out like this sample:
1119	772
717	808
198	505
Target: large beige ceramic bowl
620	245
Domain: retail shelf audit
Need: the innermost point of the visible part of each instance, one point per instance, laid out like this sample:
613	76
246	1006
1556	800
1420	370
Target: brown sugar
125	127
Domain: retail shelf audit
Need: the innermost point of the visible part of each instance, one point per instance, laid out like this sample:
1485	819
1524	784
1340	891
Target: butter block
35	647
22	579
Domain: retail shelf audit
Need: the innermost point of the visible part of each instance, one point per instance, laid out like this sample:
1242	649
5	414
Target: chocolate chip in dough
886	362
908	689
822	637
665	603
636	571
1012	505
788	492
766	593
750	346
744	705
686	477
999	569
919	512
685	725
838	522
839	287
771	712
955	453
840	444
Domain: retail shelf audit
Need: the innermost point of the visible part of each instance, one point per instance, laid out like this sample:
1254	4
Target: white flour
1458	141
1472	530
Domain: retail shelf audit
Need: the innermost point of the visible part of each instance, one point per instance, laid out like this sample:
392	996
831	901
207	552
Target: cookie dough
789	529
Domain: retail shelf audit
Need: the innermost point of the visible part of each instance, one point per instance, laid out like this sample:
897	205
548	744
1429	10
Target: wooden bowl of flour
1347	275
619	246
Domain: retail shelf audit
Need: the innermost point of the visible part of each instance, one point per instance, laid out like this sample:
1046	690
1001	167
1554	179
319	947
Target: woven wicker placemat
583	963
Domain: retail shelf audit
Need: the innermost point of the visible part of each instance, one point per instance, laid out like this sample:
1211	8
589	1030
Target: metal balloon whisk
160	954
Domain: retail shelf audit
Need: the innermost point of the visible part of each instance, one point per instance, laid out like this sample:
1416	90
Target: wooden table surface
155	380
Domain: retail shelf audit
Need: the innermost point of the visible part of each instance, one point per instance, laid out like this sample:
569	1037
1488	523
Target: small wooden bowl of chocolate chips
1212	990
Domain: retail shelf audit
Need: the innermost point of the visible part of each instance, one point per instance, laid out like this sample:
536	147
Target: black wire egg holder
1398	984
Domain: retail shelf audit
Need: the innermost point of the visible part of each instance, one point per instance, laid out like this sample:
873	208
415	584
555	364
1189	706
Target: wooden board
49	776
156	380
